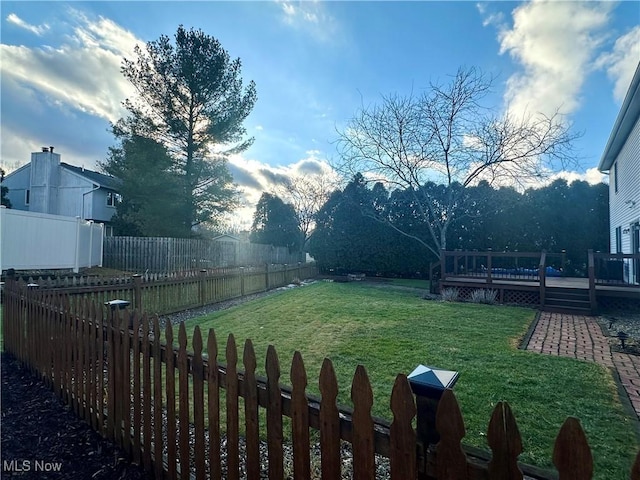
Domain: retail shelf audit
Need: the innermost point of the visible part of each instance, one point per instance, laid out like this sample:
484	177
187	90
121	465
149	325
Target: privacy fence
180	413
157	254
163	294
39	241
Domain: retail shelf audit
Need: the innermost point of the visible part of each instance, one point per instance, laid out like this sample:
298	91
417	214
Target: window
113	199
615	177
618	239
27	196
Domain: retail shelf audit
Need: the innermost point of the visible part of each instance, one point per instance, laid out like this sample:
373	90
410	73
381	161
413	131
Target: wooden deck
633	291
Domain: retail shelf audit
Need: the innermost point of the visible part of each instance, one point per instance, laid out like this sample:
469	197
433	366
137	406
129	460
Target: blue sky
314	64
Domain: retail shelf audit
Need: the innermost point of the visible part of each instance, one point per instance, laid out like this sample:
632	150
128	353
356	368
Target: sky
315	64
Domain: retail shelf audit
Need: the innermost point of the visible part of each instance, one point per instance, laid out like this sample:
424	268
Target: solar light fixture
428	384
117	304
430	381
622	336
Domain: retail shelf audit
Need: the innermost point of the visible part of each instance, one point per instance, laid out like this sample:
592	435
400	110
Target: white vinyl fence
39	241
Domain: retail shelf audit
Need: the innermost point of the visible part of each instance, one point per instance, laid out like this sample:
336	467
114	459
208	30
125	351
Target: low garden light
623	337
428	384
117	304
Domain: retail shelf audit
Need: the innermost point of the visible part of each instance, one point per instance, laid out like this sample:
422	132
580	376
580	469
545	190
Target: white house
621	159
46	185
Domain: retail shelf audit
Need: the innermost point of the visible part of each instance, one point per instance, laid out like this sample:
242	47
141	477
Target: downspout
86	193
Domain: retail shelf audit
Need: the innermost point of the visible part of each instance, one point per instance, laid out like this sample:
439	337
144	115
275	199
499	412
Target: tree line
370	229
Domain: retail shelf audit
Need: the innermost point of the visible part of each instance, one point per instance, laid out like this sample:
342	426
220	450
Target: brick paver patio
579	336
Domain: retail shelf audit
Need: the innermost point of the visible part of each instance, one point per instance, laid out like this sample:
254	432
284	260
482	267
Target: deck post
542	275
592	282
443	264
489	267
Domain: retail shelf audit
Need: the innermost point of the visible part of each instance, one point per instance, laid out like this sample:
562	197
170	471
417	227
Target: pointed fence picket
117	373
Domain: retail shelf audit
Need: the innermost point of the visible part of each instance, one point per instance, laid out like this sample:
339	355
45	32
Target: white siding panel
622	210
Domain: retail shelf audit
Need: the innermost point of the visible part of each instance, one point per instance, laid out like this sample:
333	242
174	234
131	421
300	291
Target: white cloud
311	17
592	176
621	62
83	73
254	177
37	29
554	42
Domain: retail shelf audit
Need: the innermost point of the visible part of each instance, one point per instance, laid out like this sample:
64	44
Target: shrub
450	295
484	296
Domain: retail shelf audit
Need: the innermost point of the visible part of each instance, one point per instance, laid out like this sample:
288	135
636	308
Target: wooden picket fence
137	389
163	294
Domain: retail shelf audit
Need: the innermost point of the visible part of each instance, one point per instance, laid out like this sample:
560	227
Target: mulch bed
43	439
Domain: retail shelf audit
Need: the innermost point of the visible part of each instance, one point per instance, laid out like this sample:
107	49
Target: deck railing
490	265
139	391
620	269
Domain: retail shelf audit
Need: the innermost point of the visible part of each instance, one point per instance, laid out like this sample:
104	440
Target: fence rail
159	254
135	388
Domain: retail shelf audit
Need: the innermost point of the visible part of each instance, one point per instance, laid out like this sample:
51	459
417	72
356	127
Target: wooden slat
233	452
137	420
198	404
504	440
213	406
146	394
110	377
93	367
250	393
126	381
274	415
101	341
183	396
157	400
300	419
171	405
571	452
635	471
329	422
118	377
363	440
451	460
77	365
403	436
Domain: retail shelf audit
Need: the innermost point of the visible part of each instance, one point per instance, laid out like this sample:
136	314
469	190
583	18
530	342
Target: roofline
28	164
627	117
79	174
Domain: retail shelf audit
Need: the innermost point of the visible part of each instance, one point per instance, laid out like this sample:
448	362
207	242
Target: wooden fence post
266	275
137	292
592	282
201	288
242	281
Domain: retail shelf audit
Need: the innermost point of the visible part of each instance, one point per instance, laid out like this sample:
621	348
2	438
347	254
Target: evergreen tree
275	223
191	100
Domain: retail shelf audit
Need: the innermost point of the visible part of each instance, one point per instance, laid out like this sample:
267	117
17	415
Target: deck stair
567	300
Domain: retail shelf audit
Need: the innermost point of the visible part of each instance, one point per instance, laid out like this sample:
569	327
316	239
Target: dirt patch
43	439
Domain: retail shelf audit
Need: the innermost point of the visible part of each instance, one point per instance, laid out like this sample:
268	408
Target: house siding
58	189
622	212
18	183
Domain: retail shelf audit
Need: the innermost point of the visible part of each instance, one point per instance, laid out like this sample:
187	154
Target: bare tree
307	193
447	136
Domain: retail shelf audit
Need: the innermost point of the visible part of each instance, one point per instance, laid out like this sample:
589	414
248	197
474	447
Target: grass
393	331
410	282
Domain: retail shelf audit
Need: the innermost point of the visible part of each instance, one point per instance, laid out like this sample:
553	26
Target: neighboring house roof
627	118
226	238
97	178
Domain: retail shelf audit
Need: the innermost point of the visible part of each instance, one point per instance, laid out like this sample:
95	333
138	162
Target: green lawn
392	331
